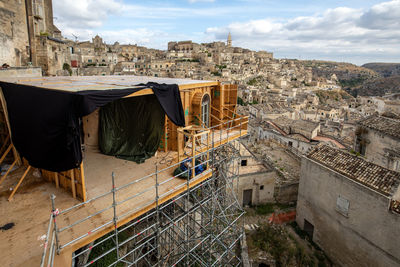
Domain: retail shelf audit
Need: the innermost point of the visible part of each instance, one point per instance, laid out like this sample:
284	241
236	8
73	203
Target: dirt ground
279	245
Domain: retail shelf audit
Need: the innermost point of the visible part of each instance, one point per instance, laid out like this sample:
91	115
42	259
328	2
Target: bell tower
229	42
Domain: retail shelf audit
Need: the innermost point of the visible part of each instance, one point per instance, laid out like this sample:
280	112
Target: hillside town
328	160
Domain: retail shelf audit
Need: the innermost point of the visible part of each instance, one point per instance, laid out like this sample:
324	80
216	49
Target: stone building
14	44
378	139
350	208
256	182
29	36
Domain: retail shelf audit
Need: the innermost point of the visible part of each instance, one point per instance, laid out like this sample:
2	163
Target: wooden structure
92	178
219	107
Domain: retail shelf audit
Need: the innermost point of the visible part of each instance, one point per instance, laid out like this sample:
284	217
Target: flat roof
83	83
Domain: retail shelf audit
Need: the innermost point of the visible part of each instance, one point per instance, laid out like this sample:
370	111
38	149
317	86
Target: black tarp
131	128
45	123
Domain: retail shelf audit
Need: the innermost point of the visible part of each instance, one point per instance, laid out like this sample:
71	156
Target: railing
116	212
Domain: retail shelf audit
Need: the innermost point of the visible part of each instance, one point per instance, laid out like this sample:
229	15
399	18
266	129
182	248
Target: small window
244	162
261	187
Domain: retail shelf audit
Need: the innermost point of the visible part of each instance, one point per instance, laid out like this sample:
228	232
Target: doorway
309	228
247	197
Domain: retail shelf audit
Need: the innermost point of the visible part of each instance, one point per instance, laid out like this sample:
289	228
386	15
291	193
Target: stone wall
286	192
364	235
262	185
21	72
14	42
378	146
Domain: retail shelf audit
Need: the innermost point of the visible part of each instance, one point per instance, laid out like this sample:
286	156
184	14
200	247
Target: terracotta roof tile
376	177
382	124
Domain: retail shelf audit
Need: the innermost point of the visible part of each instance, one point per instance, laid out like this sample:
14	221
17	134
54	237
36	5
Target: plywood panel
64	181
91	129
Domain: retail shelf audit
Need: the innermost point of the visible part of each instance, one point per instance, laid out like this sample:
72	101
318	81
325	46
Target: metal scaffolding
197	227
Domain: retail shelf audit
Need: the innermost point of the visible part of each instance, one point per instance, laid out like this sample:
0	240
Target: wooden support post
166	134
73	183
208	148
4	104
8	171
82	173
180	145
193	154
19	183
56	180
5	153
5	143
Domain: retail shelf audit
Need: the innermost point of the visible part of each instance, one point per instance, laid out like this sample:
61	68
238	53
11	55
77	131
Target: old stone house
350	208
378	139
256	181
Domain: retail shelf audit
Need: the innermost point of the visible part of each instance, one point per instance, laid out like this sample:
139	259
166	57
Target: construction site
120	171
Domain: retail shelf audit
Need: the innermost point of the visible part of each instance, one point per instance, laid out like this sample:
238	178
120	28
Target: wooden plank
193	155
56	180
5	143
82	174
5	153
8	171
140	93
19	183
196	85
73	183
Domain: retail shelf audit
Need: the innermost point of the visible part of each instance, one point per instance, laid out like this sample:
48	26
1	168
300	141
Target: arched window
205	110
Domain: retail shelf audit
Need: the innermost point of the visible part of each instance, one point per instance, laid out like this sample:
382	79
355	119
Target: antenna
76	38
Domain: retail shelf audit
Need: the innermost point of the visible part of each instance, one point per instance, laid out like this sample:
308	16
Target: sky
356	31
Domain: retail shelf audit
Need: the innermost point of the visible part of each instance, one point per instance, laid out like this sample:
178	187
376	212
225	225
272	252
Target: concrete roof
371	175
382	124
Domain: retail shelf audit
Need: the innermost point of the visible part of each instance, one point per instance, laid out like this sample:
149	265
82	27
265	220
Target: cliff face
372	79
384	69
378	87
344	72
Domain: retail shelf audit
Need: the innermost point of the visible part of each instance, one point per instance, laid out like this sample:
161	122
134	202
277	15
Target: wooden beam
5	143
19	183
193	155
5	153
73	183
197	85
56	180
5	111
83	182
140	93
8	171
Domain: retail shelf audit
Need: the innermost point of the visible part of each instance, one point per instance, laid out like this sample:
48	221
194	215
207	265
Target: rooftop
373	176
82	83
382	124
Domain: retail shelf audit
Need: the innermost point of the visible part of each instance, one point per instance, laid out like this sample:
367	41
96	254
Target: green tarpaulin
131	128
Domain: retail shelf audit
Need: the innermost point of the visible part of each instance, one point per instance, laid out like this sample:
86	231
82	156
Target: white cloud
85	14
340	32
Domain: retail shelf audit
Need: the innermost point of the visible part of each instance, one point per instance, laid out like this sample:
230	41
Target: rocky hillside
372	79
384	69
377	87
330	96
348	74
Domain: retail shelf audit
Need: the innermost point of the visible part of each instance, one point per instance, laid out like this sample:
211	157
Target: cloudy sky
357	31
